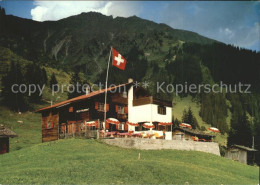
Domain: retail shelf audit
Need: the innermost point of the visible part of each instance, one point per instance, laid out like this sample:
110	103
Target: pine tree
76	84
176	121
13	97
53	82
2	11
44	76
34	76
257	139
240	133
214	110
188	117
184	116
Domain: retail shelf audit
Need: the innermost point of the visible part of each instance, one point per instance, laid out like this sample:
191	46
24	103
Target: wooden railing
151	100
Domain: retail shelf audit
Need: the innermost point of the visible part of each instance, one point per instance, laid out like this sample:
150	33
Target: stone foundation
159	144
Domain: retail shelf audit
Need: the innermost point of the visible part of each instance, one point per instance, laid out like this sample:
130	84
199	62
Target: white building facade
143	108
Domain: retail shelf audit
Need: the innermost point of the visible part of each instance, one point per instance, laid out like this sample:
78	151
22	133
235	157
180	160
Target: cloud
229	22
55	10
227	32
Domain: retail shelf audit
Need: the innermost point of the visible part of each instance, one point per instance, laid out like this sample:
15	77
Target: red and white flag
118	60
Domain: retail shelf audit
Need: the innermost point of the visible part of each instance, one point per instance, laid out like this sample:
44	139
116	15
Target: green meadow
26	125
79	161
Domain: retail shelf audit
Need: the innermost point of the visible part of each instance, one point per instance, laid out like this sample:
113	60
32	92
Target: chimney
130	80
87	90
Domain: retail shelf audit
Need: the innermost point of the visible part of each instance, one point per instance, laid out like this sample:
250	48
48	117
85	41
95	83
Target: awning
91	123
112	121
165	123
148	125
186	125
133	124
213	129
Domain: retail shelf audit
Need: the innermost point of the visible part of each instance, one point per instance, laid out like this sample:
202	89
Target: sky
236	23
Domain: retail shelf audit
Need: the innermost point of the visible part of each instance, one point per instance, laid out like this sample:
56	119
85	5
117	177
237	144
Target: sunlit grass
77	161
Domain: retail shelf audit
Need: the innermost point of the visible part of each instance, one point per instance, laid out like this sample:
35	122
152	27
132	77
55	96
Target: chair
157	136
194	138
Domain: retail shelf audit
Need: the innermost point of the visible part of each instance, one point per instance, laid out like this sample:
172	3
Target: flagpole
105	113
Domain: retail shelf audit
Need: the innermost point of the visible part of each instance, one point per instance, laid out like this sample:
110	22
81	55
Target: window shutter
46	124
126	127
107	107
116	108
52	124
126	110
96	105
75	128
117	126
107	125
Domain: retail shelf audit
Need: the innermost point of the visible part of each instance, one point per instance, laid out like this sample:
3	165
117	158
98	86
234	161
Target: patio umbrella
148	125
213	129
91	123
133	124
185	125
112	121
165	123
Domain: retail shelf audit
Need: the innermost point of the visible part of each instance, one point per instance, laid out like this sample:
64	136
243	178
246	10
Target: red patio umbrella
91	123
133	124
165	123
148	125
213	129
112	121
185	125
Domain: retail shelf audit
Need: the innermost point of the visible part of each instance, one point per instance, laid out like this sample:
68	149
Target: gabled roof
82	97
5	132
244	148
194	132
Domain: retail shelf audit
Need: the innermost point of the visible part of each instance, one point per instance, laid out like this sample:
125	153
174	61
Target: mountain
155	53
84	40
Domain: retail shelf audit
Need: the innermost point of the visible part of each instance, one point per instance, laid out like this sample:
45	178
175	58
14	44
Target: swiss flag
118	60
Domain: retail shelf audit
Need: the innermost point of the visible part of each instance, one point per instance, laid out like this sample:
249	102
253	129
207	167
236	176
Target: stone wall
159	144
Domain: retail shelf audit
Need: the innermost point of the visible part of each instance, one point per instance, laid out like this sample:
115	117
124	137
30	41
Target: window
138	128
101	107
164	128
121	110
49	124
162	110
121	126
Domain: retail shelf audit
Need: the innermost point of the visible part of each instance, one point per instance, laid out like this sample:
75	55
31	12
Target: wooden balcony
119	100
151	100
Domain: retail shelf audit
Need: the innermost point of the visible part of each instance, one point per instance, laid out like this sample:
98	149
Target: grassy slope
89	161
29	132
184	103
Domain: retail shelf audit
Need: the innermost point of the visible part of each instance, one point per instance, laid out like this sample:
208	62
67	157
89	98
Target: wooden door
4	144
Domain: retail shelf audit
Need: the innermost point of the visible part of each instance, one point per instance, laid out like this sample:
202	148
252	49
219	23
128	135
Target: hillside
7	56
27	125
89	161
80	41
